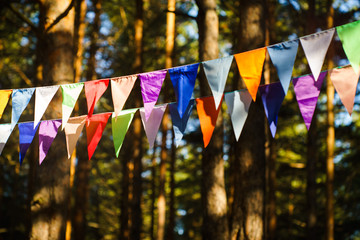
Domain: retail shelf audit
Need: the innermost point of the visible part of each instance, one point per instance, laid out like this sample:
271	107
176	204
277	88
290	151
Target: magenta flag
307	91
47	133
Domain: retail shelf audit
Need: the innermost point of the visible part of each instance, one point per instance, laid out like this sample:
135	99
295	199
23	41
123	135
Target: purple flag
272	96
183	79
307	91
47	132
150	89
26	135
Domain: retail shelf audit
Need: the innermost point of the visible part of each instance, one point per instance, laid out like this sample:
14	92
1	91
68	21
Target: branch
180	13
61	16
22	17
22	75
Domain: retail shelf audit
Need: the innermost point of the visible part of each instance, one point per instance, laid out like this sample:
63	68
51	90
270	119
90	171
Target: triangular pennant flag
345	81
93	92
43	96
73	130
216	72
250	65
349	36
283	57
179	124
307	91
272	96
5	131
20	99
70	94
95	126
238	103
207	115
152	125
183	79
47	133
120	90
120	125
150	89
4	99
26	135
315	47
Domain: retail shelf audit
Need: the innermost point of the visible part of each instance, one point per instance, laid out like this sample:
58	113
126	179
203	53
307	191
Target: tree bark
213	194
50	201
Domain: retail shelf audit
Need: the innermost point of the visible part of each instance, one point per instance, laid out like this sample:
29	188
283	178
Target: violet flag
47	132
26	135
151	84
315	47
272	96
283	57
183	79
307	91
20	99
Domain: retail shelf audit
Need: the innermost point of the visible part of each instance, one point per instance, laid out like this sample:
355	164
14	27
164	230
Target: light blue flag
20	99
238	103
216	72
283	57
272	96
179	124
183	79
26	135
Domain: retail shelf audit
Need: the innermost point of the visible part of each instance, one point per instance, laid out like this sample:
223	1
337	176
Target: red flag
93	91
95	126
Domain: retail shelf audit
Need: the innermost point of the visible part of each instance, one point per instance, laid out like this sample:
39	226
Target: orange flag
4	98
250	65
207	115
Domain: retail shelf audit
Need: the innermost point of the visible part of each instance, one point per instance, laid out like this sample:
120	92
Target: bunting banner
315	47
120	90
152	124
47	132
216	72
349	36
95	126
307	91
70	94
73	130
179	124
272	96
43	96
345	81
20	99
5	130
183	79
250	65
4	99
93	92
283	57
26	135
151	84
208	115
120	125
238	103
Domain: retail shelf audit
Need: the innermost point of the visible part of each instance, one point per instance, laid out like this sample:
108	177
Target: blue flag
272	96
179	124
26	135
283	57
183	79
20	99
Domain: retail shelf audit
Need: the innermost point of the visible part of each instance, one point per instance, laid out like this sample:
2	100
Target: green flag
349	36
120	125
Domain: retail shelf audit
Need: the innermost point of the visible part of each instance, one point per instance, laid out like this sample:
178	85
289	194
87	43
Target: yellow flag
4	98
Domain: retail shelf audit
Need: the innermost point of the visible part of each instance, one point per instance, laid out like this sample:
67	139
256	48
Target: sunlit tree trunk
248	206
213	195
50	201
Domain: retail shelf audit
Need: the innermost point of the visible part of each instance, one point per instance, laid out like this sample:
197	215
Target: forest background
300	185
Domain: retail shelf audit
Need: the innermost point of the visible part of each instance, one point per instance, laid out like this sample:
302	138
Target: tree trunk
330	137
50	201
213	194
248	206
153	195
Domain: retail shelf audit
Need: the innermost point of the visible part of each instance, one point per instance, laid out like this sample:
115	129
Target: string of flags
250	66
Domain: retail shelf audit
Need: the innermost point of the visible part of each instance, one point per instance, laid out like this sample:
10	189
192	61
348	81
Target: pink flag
73	130
93	92
120	90
47	133
152	124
